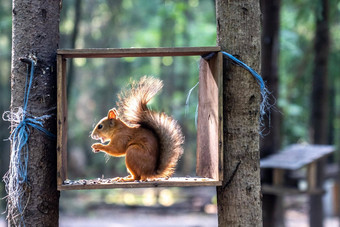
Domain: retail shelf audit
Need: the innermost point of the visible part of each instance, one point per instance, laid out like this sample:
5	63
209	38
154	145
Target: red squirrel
150	141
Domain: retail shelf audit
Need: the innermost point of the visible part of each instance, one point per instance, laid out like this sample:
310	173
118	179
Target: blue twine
16	178
264	106
35	122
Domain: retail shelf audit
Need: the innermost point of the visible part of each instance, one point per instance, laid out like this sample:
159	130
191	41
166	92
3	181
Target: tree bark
273	212
239	33
35	32
319	114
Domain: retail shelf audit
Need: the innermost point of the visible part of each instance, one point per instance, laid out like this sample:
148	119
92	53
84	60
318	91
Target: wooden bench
295	157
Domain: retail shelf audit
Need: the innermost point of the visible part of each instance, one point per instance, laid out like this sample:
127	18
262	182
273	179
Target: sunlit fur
151	141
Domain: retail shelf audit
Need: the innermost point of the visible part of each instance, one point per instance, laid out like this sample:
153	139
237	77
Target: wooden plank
282	191
278	177
208	134
312	175
218	72
336	196
216	66
296	156
61	121
60	173
136	52
107	184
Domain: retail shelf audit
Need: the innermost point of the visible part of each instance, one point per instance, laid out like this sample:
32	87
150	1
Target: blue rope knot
16	178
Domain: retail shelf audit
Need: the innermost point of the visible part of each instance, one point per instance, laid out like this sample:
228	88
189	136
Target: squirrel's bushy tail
132	107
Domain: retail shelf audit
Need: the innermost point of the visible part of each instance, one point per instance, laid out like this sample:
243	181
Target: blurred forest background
94	83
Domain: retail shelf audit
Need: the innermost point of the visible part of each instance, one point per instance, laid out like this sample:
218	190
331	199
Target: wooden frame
210	127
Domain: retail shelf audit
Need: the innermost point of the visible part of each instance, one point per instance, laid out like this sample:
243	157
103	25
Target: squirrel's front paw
96	147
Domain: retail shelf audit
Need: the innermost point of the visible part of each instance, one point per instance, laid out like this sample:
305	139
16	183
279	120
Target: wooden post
312	176
278	175
61	120
239	33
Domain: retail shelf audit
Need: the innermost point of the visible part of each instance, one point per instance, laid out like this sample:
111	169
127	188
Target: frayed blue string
16	178
187	104
264	106
188	98
264	92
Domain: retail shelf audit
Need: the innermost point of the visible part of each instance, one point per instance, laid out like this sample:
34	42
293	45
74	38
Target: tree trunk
319	114
36	33
273	213
269	71
239	33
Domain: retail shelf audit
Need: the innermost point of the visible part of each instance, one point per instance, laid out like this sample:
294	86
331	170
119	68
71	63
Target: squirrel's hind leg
140	164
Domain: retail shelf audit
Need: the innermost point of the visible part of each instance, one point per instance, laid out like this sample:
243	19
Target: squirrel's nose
95	137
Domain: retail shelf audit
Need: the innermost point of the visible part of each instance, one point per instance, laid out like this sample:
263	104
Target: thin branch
232	176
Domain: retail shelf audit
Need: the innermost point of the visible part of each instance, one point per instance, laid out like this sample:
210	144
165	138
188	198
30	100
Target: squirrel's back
132	106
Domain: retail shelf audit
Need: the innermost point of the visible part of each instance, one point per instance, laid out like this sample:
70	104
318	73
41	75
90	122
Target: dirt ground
137	219
198	211
174	220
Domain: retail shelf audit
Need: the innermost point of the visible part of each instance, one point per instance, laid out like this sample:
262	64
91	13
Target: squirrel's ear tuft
112	114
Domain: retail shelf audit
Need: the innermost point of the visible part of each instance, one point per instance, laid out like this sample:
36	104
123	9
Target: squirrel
150	141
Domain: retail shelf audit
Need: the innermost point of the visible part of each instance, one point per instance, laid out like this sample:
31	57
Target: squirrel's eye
100	126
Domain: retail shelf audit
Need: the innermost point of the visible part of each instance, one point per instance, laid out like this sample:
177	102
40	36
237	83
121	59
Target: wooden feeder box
209	126
295	157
